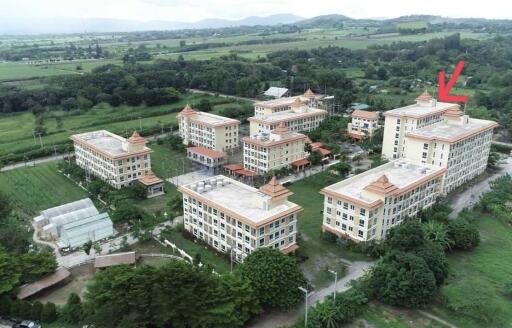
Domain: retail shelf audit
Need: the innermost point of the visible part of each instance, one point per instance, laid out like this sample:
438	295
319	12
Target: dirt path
436	318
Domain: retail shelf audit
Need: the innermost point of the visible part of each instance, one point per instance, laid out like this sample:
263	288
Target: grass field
315	39
16	130
13	71
489	265
382	316
166	163
33	189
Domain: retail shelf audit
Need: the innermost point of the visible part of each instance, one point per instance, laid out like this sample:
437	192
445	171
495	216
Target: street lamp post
305	291
231	258
335	273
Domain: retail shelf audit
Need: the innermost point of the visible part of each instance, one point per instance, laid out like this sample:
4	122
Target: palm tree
437	232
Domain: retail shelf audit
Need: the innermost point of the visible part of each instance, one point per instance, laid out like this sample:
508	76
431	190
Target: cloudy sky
193	10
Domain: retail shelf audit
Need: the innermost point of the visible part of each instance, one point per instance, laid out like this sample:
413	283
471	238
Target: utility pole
305	291
335	283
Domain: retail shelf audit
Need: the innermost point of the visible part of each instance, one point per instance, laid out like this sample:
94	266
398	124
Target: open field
16	129
13	71
381	316
33	189
323	38
489	265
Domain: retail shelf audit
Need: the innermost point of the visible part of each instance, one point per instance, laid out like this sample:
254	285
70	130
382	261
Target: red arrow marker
444	89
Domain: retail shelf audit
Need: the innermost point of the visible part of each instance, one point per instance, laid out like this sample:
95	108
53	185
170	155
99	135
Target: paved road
471	195
33	162
278	319
221	95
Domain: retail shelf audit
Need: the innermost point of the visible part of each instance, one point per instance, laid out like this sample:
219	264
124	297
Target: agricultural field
15	71
33	189
322	38
16	129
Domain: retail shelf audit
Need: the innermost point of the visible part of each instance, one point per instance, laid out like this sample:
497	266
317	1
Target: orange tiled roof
136	138
281	129
425	96
309	94
357	134
246	173
453	112
365	114
150	179
300	162
297	103
187	111
315	145
234	167
323	151
207	152
381	186
274	189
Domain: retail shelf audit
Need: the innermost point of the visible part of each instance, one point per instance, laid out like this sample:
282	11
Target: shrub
275	277
463	234
403	279
435	258
49	313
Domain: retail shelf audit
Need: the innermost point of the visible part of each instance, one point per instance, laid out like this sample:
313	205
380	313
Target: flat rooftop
448	131
421	110
288	115
240	198
212	119
276	102
104	141
401	172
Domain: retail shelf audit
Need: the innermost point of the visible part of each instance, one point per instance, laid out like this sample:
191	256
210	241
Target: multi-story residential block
234	217
458	143
208	130
280	148
364	207
300	113
399	121
112	158
364	124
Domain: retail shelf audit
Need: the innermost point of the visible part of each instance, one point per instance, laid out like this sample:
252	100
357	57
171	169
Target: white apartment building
280	148
364	124
300	113
233	217
399	121
208	130
112	158
458	143
364	207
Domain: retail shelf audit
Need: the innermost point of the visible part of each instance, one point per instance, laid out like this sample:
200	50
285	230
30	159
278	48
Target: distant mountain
98	25
323	21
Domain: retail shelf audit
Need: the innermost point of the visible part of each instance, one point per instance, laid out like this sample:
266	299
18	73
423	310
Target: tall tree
275	277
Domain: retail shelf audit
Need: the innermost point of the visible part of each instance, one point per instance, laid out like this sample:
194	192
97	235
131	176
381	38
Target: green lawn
489	265
33	189
217	261
381	316
166	163
321	254
16	130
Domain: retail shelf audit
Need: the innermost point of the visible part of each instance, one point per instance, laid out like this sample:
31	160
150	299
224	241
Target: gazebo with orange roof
154	185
